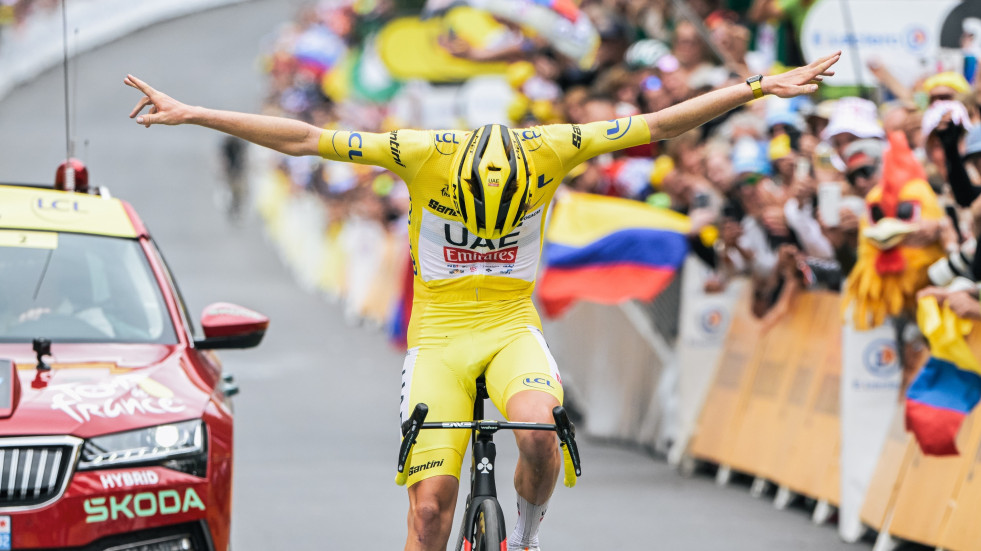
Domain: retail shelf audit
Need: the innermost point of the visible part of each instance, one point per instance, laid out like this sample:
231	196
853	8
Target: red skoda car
115	421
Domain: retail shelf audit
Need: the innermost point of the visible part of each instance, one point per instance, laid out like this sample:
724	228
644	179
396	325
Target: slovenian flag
609	250
948	387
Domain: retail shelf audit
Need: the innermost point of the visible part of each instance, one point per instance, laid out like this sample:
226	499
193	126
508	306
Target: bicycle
482	527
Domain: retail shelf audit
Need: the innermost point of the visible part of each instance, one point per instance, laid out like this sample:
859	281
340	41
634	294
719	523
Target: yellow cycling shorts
450	345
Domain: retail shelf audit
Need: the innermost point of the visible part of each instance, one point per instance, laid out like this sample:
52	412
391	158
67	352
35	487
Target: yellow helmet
491	182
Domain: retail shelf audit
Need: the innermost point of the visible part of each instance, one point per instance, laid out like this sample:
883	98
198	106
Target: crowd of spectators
775	189
15	13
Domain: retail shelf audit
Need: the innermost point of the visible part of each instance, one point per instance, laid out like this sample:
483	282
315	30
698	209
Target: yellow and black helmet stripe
491	184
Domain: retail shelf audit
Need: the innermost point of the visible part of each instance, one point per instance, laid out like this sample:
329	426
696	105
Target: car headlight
180	446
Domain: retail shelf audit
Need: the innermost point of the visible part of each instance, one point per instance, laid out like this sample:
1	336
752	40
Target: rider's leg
539	459
539	462
524	379
431	504
435	463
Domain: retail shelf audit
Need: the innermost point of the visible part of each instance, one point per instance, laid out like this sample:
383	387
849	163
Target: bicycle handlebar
563	427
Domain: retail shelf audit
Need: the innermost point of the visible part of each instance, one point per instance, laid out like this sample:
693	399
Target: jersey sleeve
401	151
576	143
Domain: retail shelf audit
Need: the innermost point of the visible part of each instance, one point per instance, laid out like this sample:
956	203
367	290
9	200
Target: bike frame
483	486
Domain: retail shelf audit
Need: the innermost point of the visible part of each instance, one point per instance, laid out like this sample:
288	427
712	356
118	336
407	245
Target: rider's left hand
802	80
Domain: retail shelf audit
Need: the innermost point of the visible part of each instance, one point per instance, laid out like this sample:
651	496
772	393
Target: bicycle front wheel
488	527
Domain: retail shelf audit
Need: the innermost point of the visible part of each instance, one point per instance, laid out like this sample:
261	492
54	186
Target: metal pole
846	15
687	13
69	174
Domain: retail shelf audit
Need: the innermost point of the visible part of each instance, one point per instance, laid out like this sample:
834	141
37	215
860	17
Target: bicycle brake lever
567	435
410	430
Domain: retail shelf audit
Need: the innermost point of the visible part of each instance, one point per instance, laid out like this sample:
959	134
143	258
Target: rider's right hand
163	108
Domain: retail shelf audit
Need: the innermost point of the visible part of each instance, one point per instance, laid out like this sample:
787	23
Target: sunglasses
941	97
866	172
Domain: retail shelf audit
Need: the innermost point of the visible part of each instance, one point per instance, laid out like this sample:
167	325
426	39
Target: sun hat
856	116
953	80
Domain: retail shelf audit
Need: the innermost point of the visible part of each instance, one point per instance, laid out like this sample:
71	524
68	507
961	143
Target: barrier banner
725	401
897	451
703	324
914	496
962	531
928	488
870	384
755	440
807	433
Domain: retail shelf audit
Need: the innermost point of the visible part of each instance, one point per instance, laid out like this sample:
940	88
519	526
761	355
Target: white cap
854	116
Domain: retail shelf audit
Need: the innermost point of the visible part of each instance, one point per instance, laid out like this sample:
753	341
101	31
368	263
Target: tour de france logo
711	320
881	358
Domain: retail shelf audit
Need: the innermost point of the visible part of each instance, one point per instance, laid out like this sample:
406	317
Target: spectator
689	49
852	119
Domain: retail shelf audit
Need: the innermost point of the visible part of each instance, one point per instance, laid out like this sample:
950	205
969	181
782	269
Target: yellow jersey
449	263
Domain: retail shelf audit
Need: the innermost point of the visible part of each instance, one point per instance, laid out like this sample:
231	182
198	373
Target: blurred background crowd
775	189
14	13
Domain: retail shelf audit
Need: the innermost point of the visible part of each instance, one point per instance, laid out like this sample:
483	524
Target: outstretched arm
678	119
288	136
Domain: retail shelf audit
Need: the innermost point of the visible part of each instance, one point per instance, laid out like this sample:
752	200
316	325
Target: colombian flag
948	387
609	250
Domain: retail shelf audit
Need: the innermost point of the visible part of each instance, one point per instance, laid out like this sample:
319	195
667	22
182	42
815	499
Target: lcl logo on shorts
538	382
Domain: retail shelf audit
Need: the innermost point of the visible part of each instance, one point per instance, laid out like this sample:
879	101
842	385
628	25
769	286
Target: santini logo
440	208
393	142
430	465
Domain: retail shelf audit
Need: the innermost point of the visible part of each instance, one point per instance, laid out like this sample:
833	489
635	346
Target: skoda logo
881	358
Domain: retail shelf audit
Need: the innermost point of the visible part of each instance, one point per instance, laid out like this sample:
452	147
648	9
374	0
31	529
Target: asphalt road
317	418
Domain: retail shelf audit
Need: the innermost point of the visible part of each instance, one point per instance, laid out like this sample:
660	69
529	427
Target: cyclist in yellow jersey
478	203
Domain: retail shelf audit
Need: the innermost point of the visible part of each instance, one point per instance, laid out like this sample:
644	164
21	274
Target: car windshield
79	288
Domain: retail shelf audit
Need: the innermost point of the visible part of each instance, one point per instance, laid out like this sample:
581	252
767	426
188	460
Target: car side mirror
229	325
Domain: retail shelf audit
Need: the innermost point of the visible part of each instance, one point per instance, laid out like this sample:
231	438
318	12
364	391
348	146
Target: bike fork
482	486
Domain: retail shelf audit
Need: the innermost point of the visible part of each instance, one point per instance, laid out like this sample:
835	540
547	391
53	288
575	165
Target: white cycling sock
525	532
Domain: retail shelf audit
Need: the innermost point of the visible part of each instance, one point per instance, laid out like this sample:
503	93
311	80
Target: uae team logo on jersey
446	249
465	248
